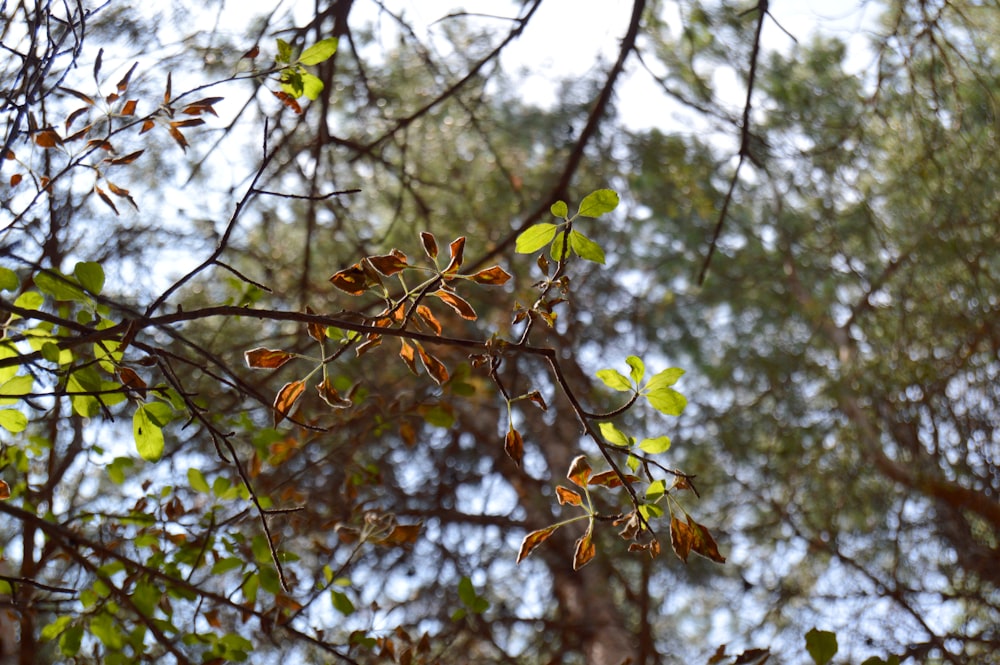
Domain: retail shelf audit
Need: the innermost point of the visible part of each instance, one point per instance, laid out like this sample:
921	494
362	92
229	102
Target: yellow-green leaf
319	52
534	238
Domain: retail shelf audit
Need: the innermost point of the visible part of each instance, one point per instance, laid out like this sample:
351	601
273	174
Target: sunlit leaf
655	490
388	264
703	543
667	401
513	445
430	244
341	603
13	421
597	203
425	314
579	471
614	435
559	209
660	444
457	303
312	86
821	645
533	540
434	367
610	479
638	369
90	275
196	479
319	52
148	435
329	394
585	548
586	248
286	399
261	358
495	276
565	495
457	249
534	238
8	279
129	108
667	377
614	379
558	250
351	280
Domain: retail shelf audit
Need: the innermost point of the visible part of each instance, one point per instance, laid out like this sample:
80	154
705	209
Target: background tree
842	348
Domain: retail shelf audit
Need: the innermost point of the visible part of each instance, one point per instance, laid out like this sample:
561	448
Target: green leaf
341	602
821	645
146	596
148	435
558	249
13	420
59	286
103	627
632	462
667	377
559	209
614	435
660	444
284	54
30	300
667	401
116	469
638	369
586	248
90	275
466	592
311	86
227	564
69	641
7	350
160	413
56	628
291	82
614	379
534	238
655	490
8	279
197	481
14	390
597	203
319	52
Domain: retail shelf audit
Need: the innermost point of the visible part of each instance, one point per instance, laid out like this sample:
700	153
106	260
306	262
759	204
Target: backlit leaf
8	279
319	52
610	479
408	355
614	379
351	280
90	275
388	264
457	249
534	238
457	303
579	471
433	366
559	209
586	248
425	314
638	369
261	358
614	435
597	203
513	445
681	538
430	244
565	495
286	399
495	276
330	395
312	86
667	377
585	549
13	421
148	435
667	401
660	444
703	543
196	479
533	540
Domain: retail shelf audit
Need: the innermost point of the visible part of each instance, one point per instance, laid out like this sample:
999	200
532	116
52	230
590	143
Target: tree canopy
323	341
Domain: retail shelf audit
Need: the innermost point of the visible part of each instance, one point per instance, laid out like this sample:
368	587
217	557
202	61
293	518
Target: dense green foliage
324	344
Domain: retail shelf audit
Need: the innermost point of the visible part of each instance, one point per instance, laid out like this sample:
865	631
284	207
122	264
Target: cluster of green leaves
562	237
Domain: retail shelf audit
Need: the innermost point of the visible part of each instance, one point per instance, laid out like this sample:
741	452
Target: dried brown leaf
681	538
457	248
48	138
425	314
105	198
71	118
329	394
457	303
146	126
585	548
16	179
351	280
388	264
261	358
401	535
79	95
495	276
4	490
288	101
190	122
533	540
703	543
76	136
429	243
407	354
610	479
202	106
130	379
579	471
166	93
513	445
123	193
286	399
251	54
178	137
129	108
536	397
315	330
565	495
123	84
434	367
